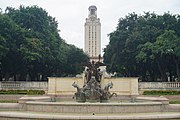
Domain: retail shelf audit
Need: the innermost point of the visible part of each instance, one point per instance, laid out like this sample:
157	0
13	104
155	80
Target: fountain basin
98	108
116	109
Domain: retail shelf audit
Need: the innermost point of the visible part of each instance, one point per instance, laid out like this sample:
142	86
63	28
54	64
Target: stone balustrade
173	85
159	85
21	85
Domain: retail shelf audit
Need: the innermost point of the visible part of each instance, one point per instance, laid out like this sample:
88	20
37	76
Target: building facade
93	34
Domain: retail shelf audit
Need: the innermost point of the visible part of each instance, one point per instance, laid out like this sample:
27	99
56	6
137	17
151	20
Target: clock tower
93	34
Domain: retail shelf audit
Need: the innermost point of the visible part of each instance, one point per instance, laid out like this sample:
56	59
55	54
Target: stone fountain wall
63	85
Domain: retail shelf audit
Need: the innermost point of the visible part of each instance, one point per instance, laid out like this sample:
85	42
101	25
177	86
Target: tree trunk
1	75
163	73
15	77
7	76
22	77
177	63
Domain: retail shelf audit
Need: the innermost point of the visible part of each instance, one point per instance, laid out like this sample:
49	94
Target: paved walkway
60	116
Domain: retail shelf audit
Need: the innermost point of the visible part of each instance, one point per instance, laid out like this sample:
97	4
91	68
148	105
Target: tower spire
92	11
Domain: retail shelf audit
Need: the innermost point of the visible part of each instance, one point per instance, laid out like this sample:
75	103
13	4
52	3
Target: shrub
162	92
8	101
175	102
23	92
36	92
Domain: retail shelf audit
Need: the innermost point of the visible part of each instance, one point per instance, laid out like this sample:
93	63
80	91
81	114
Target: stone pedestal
63	85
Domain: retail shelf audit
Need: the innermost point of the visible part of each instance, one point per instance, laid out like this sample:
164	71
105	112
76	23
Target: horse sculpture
80	94
106	94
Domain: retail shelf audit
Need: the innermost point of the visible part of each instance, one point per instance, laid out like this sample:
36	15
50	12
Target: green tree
12	36
31	45
168	44
133	49
76	57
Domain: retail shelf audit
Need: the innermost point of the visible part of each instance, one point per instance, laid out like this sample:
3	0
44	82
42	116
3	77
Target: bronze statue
92	91
93	70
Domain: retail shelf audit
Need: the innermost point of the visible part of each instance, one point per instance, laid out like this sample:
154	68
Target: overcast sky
71	14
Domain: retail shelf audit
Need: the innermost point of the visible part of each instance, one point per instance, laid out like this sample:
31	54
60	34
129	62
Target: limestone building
93	34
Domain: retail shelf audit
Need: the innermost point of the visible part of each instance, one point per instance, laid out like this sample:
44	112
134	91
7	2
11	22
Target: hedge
23	92
162	92
174	102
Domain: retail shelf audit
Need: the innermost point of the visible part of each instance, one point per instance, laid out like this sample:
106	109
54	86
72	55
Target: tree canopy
145	45
31	47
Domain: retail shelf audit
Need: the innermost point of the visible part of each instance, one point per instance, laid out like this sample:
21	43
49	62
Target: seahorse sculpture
106	94
80	94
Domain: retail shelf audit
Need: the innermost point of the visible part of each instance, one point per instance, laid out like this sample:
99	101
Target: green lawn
8	101
174	101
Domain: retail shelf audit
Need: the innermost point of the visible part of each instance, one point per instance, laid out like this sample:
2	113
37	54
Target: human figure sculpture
94	70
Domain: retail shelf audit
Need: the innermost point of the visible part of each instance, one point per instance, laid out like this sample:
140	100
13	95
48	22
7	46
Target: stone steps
16	115
9	106
39	108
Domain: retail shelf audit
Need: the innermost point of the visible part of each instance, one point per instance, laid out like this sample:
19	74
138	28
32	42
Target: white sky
71	14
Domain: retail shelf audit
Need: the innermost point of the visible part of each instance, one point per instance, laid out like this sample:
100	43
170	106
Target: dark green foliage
31	48
174	102
23	92
8	101
35	92
146	45
161	92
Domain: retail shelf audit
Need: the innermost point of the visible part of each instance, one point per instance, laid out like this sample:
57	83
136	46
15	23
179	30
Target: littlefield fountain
92	100
92	90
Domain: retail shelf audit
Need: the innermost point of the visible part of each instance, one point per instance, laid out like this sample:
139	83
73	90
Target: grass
8	101
174	102
162	92
23	92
